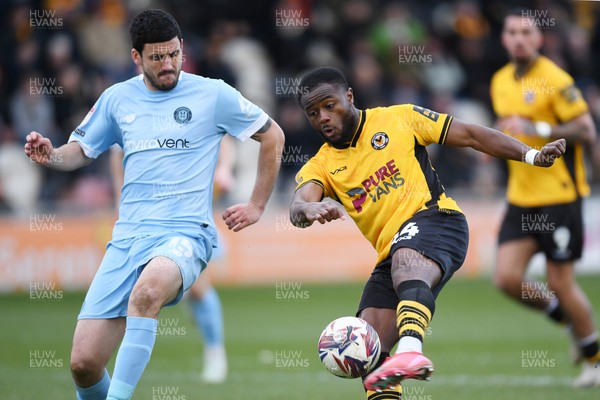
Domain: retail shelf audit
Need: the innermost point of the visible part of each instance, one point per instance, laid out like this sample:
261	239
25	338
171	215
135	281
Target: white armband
543	129
530	156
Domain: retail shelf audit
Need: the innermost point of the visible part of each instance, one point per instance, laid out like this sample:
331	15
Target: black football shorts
440	236
558	229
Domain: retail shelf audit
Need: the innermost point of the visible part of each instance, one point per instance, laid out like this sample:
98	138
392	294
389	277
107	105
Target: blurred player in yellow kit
536	102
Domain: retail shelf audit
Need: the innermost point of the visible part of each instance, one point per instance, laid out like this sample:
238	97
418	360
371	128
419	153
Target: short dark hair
152	26
321	75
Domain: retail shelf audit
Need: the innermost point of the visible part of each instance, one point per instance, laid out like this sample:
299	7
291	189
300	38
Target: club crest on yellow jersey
380	140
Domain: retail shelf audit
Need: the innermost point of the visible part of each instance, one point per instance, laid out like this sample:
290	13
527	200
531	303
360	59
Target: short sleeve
569	102
237	115
97	132
427	126
312	171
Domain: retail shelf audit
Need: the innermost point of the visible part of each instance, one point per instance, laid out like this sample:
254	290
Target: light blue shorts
123	263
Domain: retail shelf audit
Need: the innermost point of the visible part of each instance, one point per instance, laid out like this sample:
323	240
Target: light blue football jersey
171	144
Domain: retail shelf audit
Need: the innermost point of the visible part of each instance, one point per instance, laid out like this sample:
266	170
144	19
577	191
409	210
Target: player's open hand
239	216
323	211
550	152
38	148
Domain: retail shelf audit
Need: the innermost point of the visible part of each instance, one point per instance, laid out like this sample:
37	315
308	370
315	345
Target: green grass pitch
482	345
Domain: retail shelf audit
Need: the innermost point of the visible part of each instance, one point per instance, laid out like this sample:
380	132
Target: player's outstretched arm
580	128
271	141
67	157
497	144
307	207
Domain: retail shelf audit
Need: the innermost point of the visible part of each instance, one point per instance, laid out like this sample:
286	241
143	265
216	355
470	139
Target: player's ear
136	57
350	95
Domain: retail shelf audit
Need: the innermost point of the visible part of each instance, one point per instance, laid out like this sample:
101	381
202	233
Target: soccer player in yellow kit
536	101
374	167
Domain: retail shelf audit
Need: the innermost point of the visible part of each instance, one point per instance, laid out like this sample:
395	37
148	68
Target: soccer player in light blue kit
169	124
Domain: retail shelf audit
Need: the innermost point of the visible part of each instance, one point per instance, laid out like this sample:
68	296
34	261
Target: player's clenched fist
549	153
38	148
322	211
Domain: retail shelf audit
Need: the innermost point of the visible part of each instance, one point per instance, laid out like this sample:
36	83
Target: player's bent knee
85	368
146	300
560	280
507	281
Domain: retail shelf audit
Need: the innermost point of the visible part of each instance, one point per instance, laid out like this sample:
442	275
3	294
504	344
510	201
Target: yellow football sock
386	394
412	319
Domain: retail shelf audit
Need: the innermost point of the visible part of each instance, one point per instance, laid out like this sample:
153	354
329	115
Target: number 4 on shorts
408	232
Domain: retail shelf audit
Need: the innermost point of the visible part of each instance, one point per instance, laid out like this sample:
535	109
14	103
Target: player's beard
348	127
155	82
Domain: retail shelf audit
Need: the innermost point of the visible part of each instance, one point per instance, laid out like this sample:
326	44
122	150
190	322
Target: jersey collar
356	136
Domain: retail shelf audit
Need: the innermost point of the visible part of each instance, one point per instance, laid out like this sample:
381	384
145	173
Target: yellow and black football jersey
384	177
544	93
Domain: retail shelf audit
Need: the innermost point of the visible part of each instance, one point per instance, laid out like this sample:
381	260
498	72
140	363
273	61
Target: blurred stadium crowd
57	56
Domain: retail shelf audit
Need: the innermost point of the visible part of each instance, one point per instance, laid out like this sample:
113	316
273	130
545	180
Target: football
349	347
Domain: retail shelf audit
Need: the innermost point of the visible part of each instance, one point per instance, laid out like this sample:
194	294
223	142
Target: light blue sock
96	392
209	318
133	356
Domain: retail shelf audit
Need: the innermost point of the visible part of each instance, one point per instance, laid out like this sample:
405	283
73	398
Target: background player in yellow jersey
374	167
536	101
